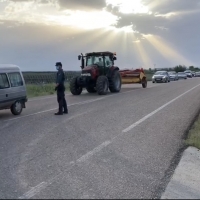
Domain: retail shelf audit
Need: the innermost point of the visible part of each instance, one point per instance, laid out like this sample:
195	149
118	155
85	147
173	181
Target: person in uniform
60	88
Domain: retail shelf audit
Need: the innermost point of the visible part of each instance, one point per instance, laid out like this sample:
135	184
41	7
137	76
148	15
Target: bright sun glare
129	6
32	12
85	20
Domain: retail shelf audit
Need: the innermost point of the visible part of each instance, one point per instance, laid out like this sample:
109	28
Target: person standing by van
60	88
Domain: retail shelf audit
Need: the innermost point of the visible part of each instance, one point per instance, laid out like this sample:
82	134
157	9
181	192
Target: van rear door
4	90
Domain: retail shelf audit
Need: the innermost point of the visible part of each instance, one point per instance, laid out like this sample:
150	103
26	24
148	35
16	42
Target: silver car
173	75
182	75
12	89
197	74
161	76
188	73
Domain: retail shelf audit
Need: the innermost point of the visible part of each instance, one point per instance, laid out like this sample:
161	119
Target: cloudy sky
35	34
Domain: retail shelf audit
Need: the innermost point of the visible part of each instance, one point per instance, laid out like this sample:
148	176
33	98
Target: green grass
194	135
149	77
41	90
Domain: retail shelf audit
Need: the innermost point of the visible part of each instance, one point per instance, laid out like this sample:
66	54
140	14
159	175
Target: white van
13	94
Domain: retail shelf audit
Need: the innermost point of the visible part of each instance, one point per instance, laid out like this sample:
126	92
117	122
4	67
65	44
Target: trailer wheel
74	88
102	85
144	83
115	82
16	108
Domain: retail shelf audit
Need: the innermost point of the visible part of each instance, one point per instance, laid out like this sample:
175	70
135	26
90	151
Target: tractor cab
100	60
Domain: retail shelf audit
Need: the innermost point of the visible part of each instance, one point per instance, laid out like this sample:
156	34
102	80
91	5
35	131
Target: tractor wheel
102	85
144	83
74	88
115	82
91	89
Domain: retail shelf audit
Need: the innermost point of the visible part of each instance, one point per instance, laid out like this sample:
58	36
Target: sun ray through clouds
166	50
143	55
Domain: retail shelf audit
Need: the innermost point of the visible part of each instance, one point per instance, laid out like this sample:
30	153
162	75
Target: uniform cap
58	64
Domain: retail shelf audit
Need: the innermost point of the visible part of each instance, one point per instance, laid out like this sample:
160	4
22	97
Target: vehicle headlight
164	77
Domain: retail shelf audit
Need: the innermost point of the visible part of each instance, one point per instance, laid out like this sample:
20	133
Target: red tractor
98	74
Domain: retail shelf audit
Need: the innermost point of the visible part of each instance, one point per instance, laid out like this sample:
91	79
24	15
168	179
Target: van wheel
16	108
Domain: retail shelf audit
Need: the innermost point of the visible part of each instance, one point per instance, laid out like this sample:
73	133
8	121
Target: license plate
158	79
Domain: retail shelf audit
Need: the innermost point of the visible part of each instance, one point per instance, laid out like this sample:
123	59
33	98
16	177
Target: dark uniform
61	92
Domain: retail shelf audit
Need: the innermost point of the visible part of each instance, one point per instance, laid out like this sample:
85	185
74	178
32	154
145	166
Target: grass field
42	90
149	77
194	135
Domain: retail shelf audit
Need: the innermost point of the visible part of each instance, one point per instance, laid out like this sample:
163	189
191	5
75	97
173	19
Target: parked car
161	76
188	73
13	94
182	75
193	73
197	74
173	75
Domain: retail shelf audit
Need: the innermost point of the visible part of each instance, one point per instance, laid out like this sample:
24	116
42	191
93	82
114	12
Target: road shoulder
185	183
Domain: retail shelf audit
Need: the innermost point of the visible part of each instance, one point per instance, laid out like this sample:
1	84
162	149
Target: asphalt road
115	146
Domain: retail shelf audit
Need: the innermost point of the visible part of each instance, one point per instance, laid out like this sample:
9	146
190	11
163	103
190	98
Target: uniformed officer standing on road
60	87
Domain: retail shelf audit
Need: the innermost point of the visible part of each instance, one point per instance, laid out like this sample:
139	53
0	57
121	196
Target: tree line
178	68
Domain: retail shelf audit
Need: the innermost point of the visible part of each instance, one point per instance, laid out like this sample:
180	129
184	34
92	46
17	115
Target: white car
188	73
161	76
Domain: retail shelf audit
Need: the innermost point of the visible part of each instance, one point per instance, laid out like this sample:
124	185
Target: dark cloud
144	23
82	4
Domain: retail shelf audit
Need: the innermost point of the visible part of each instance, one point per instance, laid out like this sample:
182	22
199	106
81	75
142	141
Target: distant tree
180	68
191	68
171	69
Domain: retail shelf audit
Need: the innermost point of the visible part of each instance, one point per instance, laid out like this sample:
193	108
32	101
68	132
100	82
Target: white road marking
155	111
79	103
94	151
34	191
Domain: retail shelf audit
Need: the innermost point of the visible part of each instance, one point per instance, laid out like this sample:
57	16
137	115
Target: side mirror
79	57
114	58
83	63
